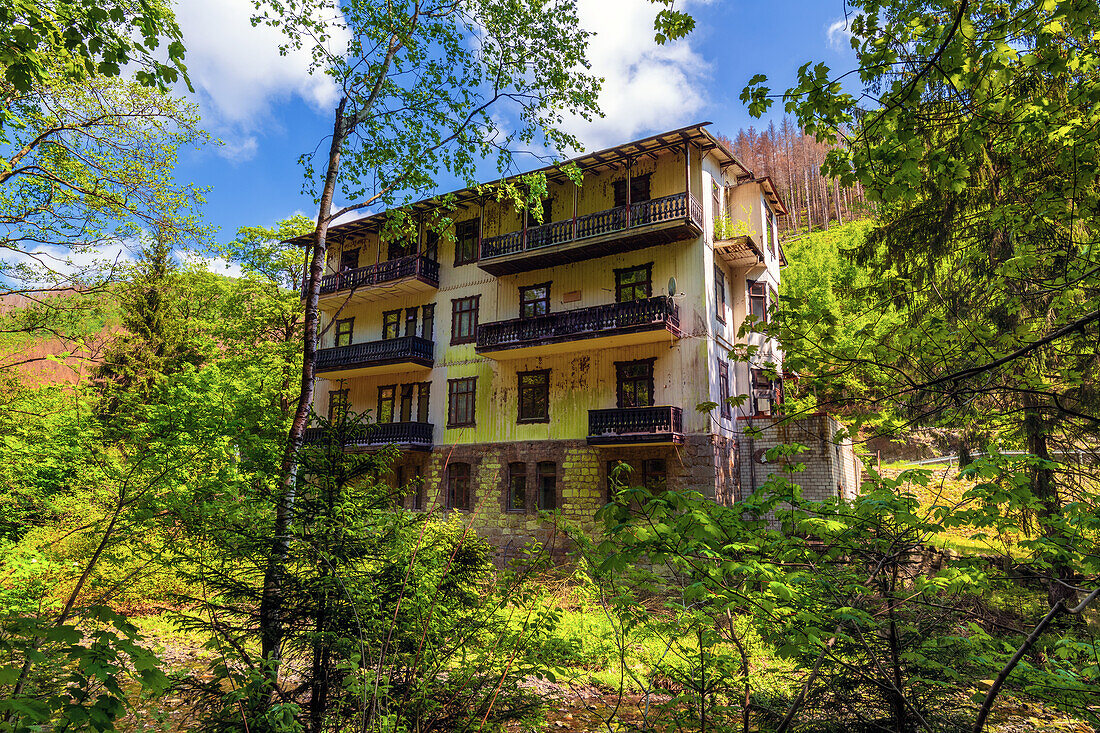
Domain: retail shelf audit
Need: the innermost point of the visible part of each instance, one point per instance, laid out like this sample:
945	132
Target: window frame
338	396
719	293
427	321
453	396
391	319
544	300
621	287
510	488
345	255
641	190
725	408
456	339
391	400
757	295
621	367
542	473
456	472
423	402
520	389
466	233
339	333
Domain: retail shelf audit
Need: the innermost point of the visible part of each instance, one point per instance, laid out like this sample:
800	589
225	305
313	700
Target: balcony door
634	383
349	259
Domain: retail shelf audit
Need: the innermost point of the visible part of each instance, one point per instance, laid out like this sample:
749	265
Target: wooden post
687	180
480	224
629	165
575	187
525	228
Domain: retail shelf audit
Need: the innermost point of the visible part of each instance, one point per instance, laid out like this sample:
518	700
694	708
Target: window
349	259
635	383
391	324
337	404
431	246
400	248
423	390
548	210
460	401
343	331
716	209
407	402
534	301
416	490
651	473
385	403
758	302
724	389
517	488
719	293
466	242
773	304
464	320
458	486
427	321
639	190
766	393
534	396
654	474
410	321
548	485
633	283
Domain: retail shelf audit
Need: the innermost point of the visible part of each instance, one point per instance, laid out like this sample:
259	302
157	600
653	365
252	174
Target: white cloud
838	35
647	86
237	71
216	265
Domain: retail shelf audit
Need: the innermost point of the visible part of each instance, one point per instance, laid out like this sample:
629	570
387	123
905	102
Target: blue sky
268	111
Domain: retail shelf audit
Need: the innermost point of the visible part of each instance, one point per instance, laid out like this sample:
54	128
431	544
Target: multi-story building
515	362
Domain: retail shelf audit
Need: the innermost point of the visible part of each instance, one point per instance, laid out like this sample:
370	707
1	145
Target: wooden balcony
376	357
658	425
622	229
401	276
599	327
406	435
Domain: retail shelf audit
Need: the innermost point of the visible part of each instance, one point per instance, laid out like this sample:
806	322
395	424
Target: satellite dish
671	287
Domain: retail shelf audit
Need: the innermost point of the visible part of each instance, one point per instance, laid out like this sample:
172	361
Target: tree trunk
271	601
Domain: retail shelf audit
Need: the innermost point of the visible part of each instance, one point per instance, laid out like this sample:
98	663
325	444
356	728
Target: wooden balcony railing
636	315
667	208
636	424
412	349
413	434
417	266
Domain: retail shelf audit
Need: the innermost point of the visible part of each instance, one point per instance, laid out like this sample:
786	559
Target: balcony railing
412	434
656	424
667	208
412	349
417	266
600	320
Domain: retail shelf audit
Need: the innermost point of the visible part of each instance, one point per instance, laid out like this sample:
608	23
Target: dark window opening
651	473
517	488
427	321
391	324
758	302
534	396
337	404
719	294
639	189
349	259
534	301
410	321
466	242
431	246
548	485
548	210
423	390
464	319
385	403
407	402
724	389
633	283
458	486
460	401
767	393
635	383
344	328
400	248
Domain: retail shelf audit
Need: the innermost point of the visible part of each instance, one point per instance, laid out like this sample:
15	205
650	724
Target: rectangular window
654	474
633	283
349	259
458	486
767	393
548	485
460	401
410	321
415	487
427	321
534	396
758	302
400	248
516	500
534	301
423	390
385	403
635	383
716	209
548	210
719	294
407	402
431	246
337	404
773	304
639	190
391	324
464	320
725	409
466	242
344	328
651	473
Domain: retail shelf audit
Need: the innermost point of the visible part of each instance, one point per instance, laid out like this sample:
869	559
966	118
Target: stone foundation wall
832	466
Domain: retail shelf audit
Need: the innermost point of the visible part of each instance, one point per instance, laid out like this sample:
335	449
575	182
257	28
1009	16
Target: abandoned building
516	361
